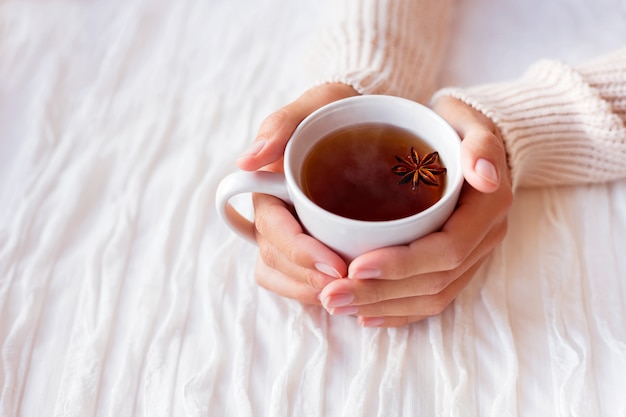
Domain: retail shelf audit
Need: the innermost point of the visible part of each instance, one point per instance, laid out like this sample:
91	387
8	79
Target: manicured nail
327	269
338	300
344	311
254	149
372	321
486	170
366	274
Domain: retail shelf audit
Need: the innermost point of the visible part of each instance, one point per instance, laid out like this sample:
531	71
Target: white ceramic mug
348	237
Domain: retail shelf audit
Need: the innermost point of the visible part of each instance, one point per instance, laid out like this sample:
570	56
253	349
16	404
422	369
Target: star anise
414	169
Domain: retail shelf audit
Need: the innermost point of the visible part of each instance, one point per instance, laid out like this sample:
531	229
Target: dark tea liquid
349	173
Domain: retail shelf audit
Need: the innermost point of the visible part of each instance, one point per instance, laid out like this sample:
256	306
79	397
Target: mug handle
265	182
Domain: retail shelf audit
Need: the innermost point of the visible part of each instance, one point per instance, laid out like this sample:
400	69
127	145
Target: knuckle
437	305
376	293
280	115
299	250
274	120
293	253
268	255
405	269
490	137
439	282
311	279
260	223
264	211
455	255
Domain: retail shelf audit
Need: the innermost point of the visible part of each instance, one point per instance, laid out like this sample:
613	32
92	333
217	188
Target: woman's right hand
291	263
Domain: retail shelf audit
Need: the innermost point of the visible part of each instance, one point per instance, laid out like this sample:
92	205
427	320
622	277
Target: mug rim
453	184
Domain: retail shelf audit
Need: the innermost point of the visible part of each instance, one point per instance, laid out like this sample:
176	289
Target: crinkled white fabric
122	294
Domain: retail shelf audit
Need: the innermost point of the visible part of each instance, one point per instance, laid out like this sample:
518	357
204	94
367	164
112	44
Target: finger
278	232
483	156
271	140
276	260
398	312
349	292
281	284
483	159
389	321
445	250
275	131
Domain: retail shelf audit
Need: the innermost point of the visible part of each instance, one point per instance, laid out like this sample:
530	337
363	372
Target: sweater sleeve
384	46
561	125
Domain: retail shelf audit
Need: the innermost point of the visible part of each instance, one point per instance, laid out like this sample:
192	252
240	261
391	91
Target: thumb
275	131
272	138
483	160
483	157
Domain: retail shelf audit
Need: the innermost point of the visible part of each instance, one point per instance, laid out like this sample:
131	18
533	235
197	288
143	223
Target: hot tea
365	169
373	172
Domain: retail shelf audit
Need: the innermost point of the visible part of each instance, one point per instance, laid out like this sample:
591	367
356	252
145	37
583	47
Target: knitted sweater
561	125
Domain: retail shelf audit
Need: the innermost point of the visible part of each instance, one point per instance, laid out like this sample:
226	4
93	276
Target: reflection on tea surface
349	173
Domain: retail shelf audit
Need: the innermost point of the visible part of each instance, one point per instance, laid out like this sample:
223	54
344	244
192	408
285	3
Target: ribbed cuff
557	129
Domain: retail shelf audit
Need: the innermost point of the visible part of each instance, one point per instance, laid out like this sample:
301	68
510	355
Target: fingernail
372	321
344	311
338	300
327	269
366	274
254	149
486	170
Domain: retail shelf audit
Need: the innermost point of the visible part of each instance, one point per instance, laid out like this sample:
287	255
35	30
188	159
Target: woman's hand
291	263
403	284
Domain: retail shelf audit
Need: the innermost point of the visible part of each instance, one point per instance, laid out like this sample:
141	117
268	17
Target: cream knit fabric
561	125
384	46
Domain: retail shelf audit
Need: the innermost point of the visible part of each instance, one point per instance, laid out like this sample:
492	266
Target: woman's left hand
394	286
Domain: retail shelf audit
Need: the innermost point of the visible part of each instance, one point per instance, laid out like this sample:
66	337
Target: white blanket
122	294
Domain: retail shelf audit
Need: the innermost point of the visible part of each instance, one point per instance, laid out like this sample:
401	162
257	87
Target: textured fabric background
122	294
